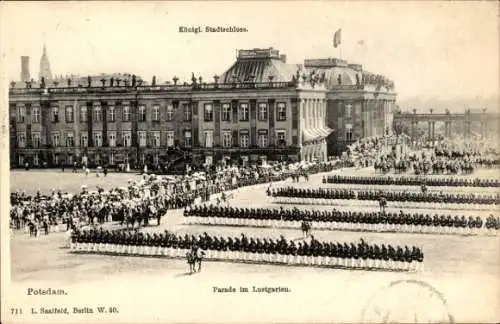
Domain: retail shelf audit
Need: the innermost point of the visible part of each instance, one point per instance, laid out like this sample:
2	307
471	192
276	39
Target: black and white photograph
250	162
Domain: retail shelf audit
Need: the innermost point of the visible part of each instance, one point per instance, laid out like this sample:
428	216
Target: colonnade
313	113
431	129
313	122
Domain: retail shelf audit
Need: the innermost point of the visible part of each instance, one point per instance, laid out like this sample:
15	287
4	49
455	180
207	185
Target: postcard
250	162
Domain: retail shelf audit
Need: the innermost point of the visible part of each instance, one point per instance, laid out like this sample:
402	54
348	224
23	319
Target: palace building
261	108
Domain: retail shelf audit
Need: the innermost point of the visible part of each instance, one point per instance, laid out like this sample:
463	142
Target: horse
195	256
306	228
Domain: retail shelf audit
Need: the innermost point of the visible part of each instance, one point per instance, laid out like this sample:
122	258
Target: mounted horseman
193	257
306	227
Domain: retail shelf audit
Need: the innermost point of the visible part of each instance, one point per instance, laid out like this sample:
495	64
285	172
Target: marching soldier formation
342	220
318	196
412	181
244	249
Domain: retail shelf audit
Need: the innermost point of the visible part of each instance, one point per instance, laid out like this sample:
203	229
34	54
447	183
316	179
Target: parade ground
460	278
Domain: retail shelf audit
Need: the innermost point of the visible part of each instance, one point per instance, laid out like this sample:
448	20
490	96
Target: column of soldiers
318	196
345	220
245	249
412	181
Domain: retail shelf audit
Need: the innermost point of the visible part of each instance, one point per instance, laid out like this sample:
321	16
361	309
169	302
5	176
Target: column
312	114
303	114
316	113
323	113
319	104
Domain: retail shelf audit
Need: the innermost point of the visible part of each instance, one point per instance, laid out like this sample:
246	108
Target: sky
430	49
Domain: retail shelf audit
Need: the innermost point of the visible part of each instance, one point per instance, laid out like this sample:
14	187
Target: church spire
45	71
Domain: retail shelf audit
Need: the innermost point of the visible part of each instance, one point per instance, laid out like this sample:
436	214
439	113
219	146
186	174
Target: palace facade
261	108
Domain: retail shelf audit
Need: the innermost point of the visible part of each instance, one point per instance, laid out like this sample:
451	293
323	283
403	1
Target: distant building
44	71
261	108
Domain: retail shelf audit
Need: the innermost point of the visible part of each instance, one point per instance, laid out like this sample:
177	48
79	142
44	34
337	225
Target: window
21	140
126	113
348	133
97	139
55	139
170	138
111	114
281	112
69	114
36	159
156	112
170	112
156	139
84	140
127	139
262	112
226	112
142	138
35	140
187	112
208	112
21	112
281	138
208	134
187	138
227	139
97	113
244	112
348	111
83	114
55	114
244	139
35	115
70	140
262	141
142	113
112	139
